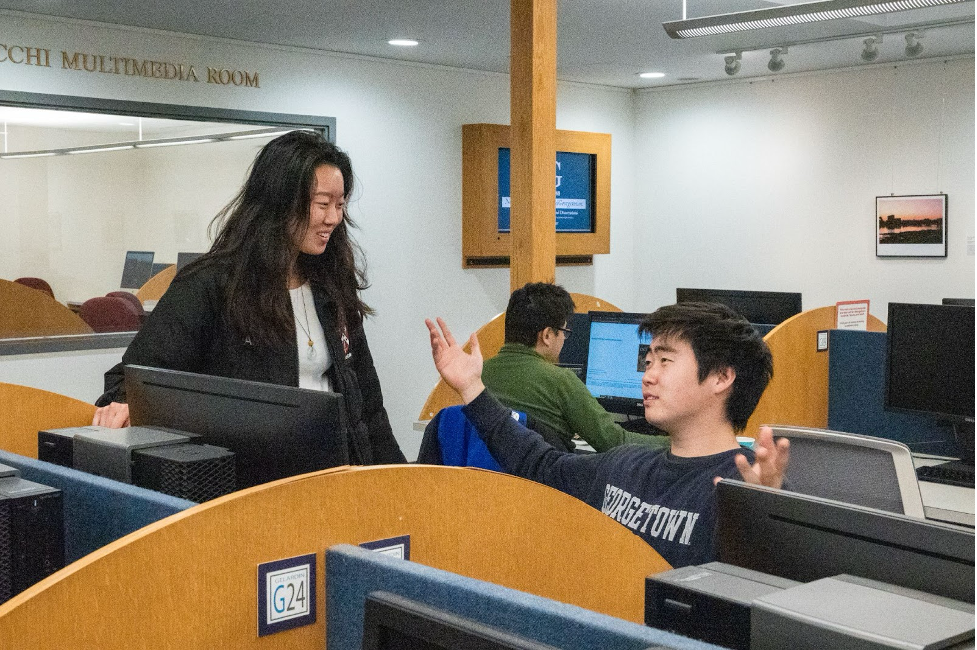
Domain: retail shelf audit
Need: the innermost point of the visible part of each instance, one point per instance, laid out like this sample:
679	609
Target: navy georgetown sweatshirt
667	500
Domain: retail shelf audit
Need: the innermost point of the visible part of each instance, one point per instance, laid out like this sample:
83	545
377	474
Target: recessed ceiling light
403	42
651	75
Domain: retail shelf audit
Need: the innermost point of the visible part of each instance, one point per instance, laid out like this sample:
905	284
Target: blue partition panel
352	573
856	393
97	510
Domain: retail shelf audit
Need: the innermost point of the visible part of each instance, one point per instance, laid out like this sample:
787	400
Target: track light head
871	51
913	47
777	62
733	63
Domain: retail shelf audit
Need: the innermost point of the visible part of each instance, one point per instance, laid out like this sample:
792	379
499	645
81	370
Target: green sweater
523	380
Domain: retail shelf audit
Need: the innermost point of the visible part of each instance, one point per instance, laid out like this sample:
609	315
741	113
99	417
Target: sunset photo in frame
910	226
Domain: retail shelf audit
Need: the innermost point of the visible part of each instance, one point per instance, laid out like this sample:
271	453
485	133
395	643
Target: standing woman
277	297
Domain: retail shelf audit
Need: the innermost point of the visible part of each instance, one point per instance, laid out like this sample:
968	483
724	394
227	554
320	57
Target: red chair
36	283
110	314
131	298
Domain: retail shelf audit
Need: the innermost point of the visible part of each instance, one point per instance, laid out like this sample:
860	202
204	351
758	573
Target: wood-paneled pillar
532	24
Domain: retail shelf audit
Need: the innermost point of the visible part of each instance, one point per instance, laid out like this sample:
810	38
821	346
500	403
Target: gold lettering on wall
29	55
25	55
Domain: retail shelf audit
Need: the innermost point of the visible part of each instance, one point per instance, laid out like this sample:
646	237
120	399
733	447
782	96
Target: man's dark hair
720	338
534	307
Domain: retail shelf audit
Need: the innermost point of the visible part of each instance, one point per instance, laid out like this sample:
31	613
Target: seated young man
705	371
524	375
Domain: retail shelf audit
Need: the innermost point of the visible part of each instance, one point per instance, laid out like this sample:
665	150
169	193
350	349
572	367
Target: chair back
857	469
36	283
451	439
130	298
110	314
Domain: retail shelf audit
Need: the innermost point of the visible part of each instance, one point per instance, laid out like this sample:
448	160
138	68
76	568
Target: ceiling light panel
807	12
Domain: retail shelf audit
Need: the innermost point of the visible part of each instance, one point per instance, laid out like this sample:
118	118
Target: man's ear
543	337
723	379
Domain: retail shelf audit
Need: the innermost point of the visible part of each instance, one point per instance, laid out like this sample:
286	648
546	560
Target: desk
945	502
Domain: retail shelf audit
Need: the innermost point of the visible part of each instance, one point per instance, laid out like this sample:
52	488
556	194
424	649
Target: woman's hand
113	416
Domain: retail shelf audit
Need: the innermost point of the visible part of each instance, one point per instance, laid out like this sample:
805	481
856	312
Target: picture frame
911	225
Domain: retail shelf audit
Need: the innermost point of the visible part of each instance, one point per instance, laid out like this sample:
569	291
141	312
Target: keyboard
953	473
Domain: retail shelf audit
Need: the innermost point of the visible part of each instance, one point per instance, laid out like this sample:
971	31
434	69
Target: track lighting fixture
913	47
733	63
777	62
871	51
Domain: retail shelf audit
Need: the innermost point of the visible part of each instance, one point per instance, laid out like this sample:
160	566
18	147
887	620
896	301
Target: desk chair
110	314
36	283
852	468
131	299
450	439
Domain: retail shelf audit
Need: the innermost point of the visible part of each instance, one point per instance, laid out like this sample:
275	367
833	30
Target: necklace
306	329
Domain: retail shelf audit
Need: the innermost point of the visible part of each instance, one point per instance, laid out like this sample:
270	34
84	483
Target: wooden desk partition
157	285
24	411
491	336
29	312
189	581
798	392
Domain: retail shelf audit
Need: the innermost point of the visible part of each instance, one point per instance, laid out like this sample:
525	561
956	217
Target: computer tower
108	452
193	472
31	534
709	602
57	445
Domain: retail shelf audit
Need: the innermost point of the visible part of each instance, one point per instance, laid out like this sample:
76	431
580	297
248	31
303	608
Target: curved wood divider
157	285
29	312
26	410
491	336
798	392
190	580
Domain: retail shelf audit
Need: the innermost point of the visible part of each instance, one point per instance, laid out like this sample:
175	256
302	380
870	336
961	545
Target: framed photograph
910	226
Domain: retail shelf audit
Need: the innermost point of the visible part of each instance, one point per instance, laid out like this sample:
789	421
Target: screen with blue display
574	191
615	360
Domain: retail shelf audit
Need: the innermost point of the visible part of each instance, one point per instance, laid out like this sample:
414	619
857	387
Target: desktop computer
156	458
31	534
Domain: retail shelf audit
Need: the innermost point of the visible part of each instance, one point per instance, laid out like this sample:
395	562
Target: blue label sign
574	191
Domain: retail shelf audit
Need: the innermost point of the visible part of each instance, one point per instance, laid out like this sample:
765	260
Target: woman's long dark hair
256	235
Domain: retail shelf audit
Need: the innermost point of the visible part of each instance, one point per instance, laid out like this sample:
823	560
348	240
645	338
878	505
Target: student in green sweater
524	375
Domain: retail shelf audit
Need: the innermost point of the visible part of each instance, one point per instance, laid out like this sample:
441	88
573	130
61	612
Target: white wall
401	125
771	184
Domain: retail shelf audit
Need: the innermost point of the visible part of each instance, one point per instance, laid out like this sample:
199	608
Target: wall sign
286	594
36	56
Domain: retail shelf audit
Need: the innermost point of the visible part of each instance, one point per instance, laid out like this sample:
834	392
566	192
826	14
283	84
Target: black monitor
160	266
575	347
616	360
274	431
963	302
805	538
137	270
182	259
930	366
393	622
758	307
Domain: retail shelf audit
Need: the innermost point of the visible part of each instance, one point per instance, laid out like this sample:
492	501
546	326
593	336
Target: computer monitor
137	270
616	361
758	307
930	366
182	259
160	266
274	431
393	622
805	538
575	347
963	302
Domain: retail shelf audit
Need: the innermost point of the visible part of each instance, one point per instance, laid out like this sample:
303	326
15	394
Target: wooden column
532	24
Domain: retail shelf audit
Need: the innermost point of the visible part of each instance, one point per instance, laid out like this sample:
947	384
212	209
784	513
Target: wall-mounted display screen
574	191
